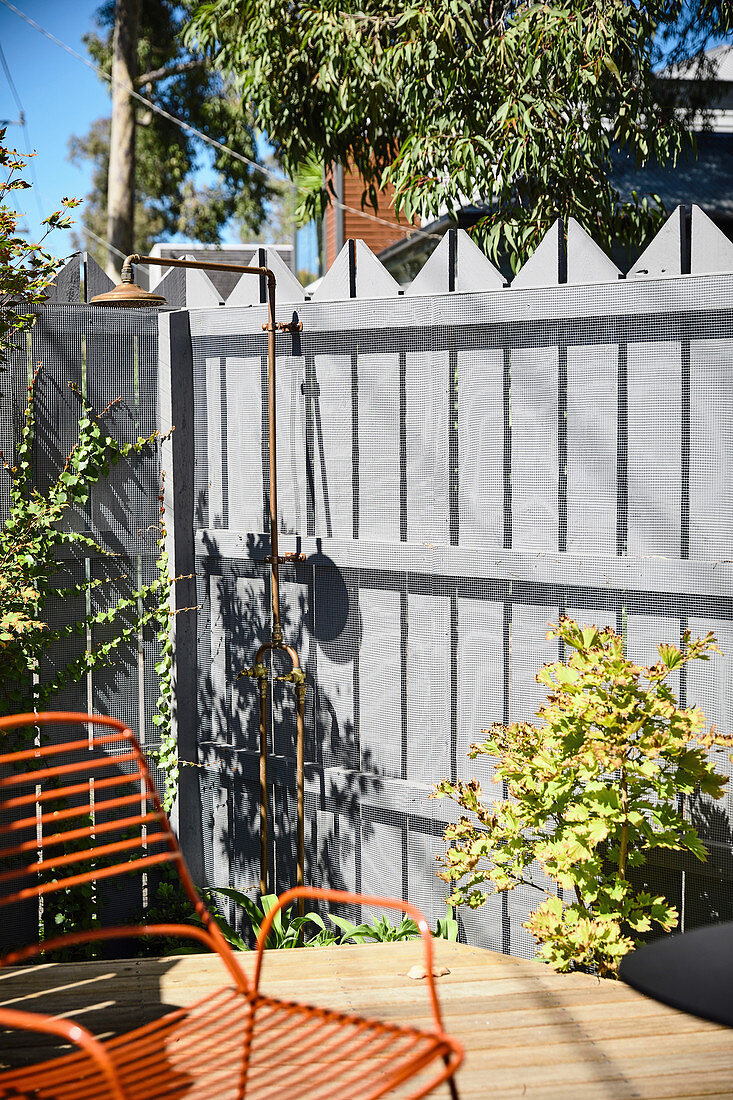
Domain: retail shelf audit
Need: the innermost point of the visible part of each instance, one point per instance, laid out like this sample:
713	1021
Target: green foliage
447	926
41	533
41	541
591	793
168	903
26	270
383	931
170	202
379	931
68	910
289	931
518	103
40	526
167	753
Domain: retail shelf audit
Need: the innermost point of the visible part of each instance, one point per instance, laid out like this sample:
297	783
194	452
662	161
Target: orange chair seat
78	807
197	1052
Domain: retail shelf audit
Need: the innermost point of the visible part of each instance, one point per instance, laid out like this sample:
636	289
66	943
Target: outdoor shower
128	293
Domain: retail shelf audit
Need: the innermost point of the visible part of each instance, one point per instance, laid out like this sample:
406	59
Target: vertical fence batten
175	411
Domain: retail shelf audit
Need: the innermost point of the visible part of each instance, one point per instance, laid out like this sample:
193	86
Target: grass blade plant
289	931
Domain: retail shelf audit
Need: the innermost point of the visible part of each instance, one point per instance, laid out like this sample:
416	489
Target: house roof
720	59
705	179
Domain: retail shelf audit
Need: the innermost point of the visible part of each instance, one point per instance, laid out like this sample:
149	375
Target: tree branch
579	899
162	74
624	844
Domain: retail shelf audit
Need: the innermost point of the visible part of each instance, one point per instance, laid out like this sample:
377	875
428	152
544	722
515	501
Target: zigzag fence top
683	246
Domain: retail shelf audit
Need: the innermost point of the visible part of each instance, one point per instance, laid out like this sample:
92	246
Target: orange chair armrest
345	897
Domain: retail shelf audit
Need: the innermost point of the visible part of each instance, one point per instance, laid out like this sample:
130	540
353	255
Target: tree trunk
121	177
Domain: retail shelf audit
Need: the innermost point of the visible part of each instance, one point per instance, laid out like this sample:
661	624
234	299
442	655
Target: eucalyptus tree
519	103
156	187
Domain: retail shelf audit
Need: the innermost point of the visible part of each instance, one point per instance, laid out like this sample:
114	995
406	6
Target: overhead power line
106	244
37	187
11	85
24	127
253	164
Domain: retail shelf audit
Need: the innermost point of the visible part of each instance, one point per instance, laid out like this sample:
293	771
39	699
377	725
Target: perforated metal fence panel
459	470
111	356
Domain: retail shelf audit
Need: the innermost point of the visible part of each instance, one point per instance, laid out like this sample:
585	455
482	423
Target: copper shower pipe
127	293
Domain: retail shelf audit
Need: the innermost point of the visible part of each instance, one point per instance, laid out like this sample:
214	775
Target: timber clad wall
375	234
460	464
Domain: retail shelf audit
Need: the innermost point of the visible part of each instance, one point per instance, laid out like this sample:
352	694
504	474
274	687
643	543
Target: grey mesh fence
459	470
109	355
460	464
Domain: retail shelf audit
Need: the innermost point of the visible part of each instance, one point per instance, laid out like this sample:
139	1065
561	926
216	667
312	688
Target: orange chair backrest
77	807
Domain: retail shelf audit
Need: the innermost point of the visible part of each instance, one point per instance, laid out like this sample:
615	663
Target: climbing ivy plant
41	535
167	753
34	564
591	793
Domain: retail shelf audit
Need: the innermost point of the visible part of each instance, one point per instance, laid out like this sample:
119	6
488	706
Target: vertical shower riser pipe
296	675
262	685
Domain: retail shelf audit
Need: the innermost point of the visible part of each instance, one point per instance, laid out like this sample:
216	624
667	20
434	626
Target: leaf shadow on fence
235	620
708	894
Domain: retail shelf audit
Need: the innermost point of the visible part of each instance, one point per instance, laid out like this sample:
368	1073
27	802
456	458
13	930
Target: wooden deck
527	1031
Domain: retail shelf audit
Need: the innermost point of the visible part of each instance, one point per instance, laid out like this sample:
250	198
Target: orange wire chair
78	807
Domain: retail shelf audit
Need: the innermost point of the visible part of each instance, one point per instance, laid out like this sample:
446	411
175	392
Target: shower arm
271	327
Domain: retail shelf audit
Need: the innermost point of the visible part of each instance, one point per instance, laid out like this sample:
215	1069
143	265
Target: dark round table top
692	972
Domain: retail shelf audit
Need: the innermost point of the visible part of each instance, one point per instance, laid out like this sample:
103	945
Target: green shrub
289	931
591	793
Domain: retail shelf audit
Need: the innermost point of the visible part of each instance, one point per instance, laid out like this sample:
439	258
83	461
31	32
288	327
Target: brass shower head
127	292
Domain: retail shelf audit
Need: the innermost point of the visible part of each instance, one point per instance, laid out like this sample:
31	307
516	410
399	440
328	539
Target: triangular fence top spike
457	264
66	286
586	261
544	266
437	275
356	273
188	287
710	249
96	281
666	254
248	292
339	282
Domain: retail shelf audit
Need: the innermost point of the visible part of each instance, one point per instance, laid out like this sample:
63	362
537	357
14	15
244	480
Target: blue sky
59	95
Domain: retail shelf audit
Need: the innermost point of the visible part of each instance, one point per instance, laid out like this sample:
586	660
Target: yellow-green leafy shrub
592	791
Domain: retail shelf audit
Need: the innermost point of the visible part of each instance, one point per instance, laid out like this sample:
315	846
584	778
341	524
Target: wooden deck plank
527	1031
